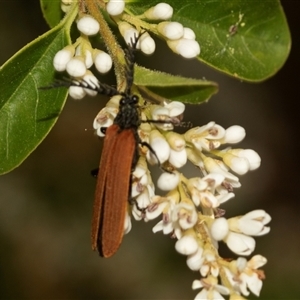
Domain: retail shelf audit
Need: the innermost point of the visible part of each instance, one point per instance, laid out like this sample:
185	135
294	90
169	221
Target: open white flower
239	243
252	223
211	290
206	137
185	214
247	276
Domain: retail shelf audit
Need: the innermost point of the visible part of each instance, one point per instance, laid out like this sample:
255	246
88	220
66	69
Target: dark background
46	203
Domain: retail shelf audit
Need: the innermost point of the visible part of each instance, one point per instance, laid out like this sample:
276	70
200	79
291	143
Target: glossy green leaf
27	113
186	90
51	11
249	40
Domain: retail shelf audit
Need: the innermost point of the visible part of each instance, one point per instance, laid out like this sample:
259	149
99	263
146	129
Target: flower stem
113	47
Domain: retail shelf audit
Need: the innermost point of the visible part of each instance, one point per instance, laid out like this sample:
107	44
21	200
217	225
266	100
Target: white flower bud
114	103
88	59
219	229
102	60
76	92
76	67
161	11
62	57
195	261
249	154
176	141
171	30
214	179
234	134
188	34
92	81
160	146
241	263
130	36
124	26
139	170
238	164
129	33
115	7
205	269
187	245
88	25
168	181
185	47
240	243
178	158
147	44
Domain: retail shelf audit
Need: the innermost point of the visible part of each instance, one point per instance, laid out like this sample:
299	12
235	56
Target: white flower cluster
77	58
146	43
190	209
180	39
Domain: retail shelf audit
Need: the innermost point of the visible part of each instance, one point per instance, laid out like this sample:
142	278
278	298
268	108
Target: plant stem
113	47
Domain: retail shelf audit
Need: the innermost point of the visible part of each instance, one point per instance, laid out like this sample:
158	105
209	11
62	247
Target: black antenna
130	60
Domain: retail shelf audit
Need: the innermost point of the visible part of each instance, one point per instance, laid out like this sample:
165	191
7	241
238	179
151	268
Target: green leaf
186	90
51	11
28	113
249	40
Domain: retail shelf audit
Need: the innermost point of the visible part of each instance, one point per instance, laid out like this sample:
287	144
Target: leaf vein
251	53
36	104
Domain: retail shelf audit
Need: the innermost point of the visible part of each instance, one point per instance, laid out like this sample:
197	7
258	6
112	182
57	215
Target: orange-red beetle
118	159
